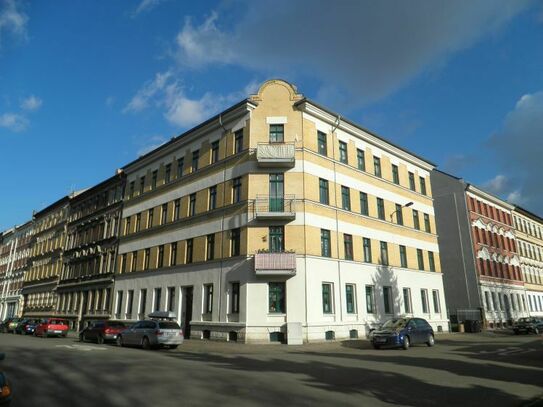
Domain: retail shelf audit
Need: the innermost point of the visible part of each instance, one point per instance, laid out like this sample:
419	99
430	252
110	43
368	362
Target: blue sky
86	87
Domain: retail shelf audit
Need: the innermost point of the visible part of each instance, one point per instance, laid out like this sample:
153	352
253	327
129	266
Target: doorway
186	316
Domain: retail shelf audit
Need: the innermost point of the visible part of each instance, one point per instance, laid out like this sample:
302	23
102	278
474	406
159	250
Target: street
462	369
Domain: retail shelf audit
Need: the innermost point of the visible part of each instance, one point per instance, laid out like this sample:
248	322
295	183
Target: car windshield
394	323
57	322
168	325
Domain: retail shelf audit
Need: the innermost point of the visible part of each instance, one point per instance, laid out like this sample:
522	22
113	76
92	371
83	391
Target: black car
26	326
528	325
402	333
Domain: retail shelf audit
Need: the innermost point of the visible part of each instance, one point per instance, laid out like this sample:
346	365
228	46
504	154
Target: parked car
402	333
159	331
12	325
101	331
528	325
26	326
4	325
52	326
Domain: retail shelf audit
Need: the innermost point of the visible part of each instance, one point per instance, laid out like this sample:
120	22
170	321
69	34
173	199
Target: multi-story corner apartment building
14	255
86	280
481	266
529	234
48	240
278	219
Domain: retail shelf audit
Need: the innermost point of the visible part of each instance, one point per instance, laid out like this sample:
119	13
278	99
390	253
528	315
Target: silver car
152	334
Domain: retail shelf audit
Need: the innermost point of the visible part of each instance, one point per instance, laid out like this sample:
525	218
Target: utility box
294	333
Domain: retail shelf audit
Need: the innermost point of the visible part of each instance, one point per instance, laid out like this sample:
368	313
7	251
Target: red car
52	327
101	331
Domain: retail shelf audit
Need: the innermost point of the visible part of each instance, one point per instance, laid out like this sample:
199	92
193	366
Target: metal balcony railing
274	207
279	264
275	154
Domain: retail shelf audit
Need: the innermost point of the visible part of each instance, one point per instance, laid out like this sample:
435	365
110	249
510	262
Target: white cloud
150	144
13	121
497	185
31	103
145	6
12	19
145	95
367	48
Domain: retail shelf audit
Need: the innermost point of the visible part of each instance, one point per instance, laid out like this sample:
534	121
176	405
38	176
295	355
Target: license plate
58	332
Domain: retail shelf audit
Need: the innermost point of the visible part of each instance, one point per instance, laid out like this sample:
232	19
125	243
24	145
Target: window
143	302
384	253
189	251
380	208
412	181
387	299
138	222
192	204
495	302
238	141
154	178
364	203
399	214
134	264
367	250
208	298
395	174
129	302
431	261
167	173
322	144
343	152
377	166
277	133
131	190
146	258
236	190
212	197
127	226
173	254
142	184
435	297
323	191
487	300
150	215
370	299
350	295
420	259
235	244
403	256
214	152
424	300
427	227
210	247
408	307
176	209
361	160
123	263
180	164
276	298
348	246
195	158
158	295
416	222
345	198
327	298
422	185
171	299
277	244
160	258
164	214
325	243
119	302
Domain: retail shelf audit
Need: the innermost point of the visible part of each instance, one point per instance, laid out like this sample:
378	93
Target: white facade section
503	302
535	302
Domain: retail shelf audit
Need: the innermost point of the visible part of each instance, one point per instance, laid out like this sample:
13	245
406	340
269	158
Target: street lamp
407	205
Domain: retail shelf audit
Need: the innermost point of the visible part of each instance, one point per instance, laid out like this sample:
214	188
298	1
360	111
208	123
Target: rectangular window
138	222
154	178
276	238
361	160
190	251
327	298
323	191
424	300
208	298
131	189
176	209
164	214
195	158
180	164
123	263
171	299
435	297
118	308
160	258
395	174
277	133
387	299
377	167
427	227
343	152
235	242
412	181
487	301
403	256
420	259
364	209
322	143
214	152
431	261
422	185
348	246
167	173
380	208
146	258
238	141
408	307
276	298
236	190
234	300
495	302
150	215
192	204
134	265
158	299
325	243
142	184
416	221
399	214
143	302
345	198
370	299
173	254
212	197
210	247
367	250
350	296
129	302
384	254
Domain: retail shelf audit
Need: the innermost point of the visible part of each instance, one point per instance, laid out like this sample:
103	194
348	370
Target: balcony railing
275	154
277	264
272	207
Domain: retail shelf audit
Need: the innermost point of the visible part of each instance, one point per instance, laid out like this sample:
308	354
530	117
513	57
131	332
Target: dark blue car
402	333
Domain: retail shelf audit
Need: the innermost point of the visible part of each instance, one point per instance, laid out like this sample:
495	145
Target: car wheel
120	341
375	346
100	340
406	343
431	341
145	343
173	346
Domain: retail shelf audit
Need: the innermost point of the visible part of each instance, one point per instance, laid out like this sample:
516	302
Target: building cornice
489	197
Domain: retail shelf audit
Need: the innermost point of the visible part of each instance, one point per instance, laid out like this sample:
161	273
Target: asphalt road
467	370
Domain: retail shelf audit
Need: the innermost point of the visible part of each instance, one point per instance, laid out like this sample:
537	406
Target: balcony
275	264
275	208
275	154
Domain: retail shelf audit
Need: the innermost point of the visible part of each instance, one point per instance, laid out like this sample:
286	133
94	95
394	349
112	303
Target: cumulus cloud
12	19
31	103
367	48
13	121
